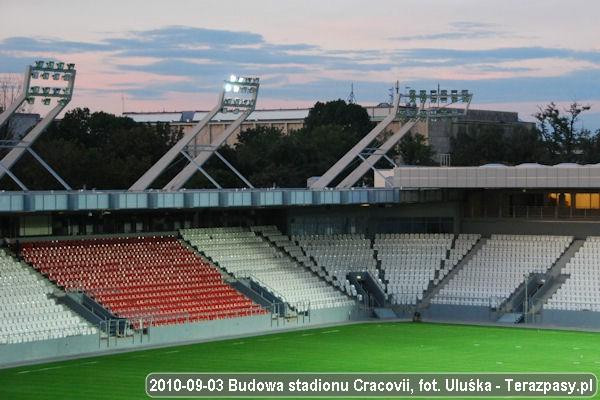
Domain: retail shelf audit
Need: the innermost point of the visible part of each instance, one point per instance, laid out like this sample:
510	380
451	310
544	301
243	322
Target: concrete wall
76	346
457	313
571	319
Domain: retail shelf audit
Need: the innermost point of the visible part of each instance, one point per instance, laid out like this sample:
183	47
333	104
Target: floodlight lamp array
55	70
441	96
42	65
431	114
50	69
243	80
236	104
239	93
241	84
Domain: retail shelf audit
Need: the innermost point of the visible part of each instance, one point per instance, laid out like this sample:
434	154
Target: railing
532	212
492	302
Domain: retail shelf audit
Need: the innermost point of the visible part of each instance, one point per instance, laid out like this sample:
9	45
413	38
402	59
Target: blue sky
155	55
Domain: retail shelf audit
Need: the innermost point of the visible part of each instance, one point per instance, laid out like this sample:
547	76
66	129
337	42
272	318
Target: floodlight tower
62	76
238	95
418	106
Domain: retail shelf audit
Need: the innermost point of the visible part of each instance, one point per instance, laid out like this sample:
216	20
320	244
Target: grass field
363	347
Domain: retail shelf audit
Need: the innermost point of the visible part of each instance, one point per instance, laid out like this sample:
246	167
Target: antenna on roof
351	98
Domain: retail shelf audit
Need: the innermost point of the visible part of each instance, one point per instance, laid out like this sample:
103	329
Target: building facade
438	133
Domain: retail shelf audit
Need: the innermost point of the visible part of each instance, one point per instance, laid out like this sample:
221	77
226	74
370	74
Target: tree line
104	151
556	138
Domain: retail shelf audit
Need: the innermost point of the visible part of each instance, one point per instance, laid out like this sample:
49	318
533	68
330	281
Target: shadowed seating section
244	254
500	266
340	254
411	262
149	280
580	291
27	310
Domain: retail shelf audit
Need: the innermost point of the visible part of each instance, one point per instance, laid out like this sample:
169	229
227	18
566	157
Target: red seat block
150	280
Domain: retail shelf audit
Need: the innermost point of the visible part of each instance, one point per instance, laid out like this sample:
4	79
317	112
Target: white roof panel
155	117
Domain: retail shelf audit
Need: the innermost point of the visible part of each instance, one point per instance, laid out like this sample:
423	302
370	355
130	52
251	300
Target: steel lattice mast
238	95
419	106
42	70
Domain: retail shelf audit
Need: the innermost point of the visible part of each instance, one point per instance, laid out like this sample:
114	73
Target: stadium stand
339	254
149	280
580	291
27	312
499	267
411	262
245	254
296	252
274	235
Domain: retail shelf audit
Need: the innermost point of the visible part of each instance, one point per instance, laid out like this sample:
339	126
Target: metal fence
532	212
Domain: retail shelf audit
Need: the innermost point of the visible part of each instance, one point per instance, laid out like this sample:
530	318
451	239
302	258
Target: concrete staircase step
510	318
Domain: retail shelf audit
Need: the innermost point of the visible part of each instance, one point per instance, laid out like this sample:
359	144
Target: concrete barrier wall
456	313
75	346
571	319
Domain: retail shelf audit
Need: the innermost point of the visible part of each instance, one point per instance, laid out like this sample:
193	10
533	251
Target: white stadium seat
244	254
27	310
581	291
498	268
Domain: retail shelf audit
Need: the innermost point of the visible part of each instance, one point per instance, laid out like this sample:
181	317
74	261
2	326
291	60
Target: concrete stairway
511	318
554	277
549	289
432	292
307	263
227	277
562	261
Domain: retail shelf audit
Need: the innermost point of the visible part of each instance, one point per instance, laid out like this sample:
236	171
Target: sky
173	55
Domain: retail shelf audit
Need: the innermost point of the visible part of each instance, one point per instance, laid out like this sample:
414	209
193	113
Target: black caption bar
370	385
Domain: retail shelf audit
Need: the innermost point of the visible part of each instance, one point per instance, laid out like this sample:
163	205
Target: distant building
438	132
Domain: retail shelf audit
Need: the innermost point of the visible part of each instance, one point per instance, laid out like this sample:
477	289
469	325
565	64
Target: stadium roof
528	175
257	115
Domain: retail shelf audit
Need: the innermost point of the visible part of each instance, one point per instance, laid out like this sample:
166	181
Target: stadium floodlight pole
45	70
240	96
343	163
413	113
154	172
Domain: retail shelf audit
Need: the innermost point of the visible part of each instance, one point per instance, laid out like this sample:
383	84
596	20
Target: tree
484	143
95	150
563	139
590	147
523	145
10	88
267	156
477	145
351	117
415	150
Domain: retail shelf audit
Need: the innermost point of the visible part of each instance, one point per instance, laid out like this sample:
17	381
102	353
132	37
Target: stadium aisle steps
498	268
429	295
580	291
339	254
244	254
414	263
292	250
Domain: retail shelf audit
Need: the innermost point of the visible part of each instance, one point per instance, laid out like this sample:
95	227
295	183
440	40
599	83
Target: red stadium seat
149	280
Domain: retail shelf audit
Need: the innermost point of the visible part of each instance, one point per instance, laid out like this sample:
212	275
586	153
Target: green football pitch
385	347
